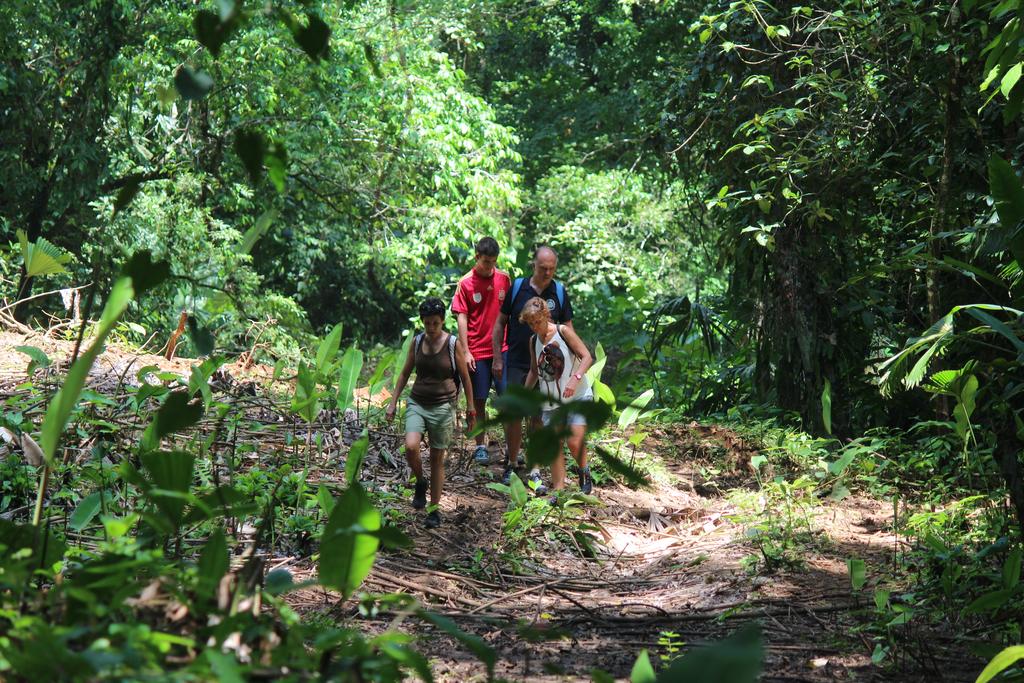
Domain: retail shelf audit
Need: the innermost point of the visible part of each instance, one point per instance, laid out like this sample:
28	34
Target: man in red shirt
478	299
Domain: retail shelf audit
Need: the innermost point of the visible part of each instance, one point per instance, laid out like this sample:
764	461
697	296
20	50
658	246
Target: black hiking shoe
433	520
419	499
586	482
506	475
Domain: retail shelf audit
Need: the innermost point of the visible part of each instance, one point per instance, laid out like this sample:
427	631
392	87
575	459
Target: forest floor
571	588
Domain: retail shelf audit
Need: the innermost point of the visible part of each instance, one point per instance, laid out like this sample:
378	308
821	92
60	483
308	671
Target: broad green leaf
37	358
642	671
346	555
313	38
517	491
145	272
60	408
325	500
1001	662
1007	191
1011	569
41	257
169	471
202	339
279	581
328	349
306	400
87	508
258	229
632	475
37	549
351	366
355	457
632	411
990	602
826	406
858	574
737	659
225	667
1010	79
251	147
214	561
192	85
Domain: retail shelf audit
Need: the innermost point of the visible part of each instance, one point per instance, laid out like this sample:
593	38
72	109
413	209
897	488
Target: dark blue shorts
483	380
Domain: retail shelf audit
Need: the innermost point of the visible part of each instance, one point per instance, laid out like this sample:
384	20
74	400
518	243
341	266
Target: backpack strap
417	342
451	355
517	284
560	295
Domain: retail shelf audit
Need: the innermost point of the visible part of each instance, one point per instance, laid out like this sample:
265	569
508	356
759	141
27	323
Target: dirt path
665	569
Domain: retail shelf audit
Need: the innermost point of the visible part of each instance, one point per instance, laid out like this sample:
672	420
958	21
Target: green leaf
632	411
87	508
990	602
517	491
356	455
737	659
858	574
314	37
826	406
145	272
212	29
1010	79
126	195
1002	661
214	562
37	358
306	400
632	476
276	160
176	413
475	644
328	349
37	549
351	366
259	228
1011	569
251	147
202	339
60	408
346	555
192	85
169	471
325	500
41	257
225	667
1007	191
279	581
642	671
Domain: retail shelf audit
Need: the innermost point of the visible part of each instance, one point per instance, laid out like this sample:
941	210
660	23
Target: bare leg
412	453
436	474
577	444
513	440
481	412
558	469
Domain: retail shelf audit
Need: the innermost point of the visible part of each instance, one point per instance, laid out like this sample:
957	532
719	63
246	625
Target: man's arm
497	340
463	322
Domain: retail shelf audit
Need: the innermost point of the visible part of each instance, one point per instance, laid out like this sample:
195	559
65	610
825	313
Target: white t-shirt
555	362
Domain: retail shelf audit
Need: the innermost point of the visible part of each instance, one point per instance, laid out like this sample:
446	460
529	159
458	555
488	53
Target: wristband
579	377
471	412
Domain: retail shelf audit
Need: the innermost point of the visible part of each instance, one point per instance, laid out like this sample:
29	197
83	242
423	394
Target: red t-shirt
480	298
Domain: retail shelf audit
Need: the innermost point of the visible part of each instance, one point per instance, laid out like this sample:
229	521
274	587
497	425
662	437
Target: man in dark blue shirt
516	362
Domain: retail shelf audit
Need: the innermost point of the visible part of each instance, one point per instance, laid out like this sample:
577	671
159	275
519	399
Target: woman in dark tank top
430	409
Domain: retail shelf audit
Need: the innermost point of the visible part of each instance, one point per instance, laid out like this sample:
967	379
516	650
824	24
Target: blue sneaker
481	456
506	476
586	482
540	489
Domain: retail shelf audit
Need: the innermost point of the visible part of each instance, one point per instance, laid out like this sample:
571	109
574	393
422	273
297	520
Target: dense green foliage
808	214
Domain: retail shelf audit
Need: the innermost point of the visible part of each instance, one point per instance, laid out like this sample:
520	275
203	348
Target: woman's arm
533	375
581	351
467	383
403	379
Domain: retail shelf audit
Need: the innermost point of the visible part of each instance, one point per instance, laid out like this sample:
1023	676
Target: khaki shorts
437	422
